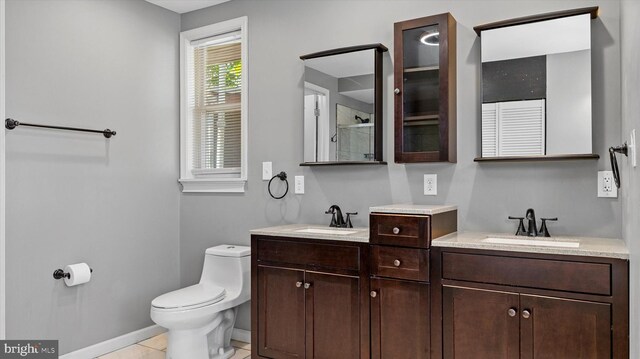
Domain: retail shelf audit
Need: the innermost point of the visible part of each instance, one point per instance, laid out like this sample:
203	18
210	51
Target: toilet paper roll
78	273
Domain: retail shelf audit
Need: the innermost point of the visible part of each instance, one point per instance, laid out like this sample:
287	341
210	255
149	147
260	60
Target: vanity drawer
400	230
309	255
580	277
401	263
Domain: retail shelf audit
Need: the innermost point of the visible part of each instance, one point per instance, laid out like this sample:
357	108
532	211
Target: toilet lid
195	295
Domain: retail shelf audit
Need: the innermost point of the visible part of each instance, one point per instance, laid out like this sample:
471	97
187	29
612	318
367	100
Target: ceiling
182	6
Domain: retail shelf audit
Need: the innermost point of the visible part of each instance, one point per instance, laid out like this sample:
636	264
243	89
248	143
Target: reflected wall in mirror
536	86
343	106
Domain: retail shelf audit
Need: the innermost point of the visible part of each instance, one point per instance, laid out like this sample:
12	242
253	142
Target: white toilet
200	318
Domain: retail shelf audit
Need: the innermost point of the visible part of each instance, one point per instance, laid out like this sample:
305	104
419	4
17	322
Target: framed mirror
536	87
343	106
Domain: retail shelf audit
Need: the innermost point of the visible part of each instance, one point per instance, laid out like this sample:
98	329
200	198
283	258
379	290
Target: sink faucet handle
349	214
543	228
332	212
520	231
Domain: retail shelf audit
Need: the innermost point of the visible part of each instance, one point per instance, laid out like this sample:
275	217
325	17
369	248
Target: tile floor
154	348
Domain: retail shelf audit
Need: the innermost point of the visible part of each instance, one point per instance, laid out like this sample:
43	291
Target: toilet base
225	354
210	342
187	344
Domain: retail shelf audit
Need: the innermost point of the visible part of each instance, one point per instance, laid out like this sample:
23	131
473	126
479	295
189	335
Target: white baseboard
110	345
241	335
122	341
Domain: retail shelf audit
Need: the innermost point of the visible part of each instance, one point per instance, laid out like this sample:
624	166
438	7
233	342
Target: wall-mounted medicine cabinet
536	87
343	106
425	89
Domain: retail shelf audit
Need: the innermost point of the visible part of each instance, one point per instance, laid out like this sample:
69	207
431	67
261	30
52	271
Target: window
213	107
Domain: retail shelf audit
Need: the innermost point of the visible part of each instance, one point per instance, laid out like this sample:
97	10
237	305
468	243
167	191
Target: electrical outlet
299	184
606	186
633	155
267	171
430	185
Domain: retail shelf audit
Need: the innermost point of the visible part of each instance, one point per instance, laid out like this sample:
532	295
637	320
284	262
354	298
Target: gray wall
630	38
280	31
74	197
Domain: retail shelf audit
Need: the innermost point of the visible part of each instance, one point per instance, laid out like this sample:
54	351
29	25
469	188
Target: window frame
221	180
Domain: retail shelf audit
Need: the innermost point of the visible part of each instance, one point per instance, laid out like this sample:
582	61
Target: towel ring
283	177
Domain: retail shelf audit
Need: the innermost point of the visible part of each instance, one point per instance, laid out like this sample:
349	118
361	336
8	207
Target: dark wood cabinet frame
342	259
618	297
378	114
447	93
593	12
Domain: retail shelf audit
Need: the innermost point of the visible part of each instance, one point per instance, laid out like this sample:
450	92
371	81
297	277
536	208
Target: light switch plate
299	184
431	185
606	186
633	154
267	171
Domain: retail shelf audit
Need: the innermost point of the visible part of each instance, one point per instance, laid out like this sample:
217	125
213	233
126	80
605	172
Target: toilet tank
228	266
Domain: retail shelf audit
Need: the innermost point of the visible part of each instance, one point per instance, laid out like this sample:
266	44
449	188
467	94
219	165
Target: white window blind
214	107
489	130
514	128
215	104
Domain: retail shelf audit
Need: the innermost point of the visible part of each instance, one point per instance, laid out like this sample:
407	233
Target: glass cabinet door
423	77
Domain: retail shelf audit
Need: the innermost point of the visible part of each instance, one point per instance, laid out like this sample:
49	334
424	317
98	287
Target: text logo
28	349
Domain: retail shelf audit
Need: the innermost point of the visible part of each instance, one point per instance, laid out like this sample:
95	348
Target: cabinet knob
396	263
307	285
396	230
526	314
298	284
396	91
512	312
373	294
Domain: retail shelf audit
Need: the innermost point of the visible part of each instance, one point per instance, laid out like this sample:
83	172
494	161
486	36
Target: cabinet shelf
421	117
422	69
587	156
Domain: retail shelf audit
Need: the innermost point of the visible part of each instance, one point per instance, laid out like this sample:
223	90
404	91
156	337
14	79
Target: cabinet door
480	324
563	328
425	84
332	316
399	319
280	313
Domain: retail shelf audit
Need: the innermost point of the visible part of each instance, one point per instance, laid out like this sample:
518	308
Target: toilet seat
194	296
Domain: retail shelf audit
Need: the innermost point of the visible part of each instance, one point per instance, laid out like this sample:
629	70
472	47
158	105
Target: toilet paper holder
59	273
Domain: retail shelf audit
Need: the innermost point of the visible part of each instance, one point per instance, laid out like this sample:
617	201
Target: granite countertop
407	208
594	247
587	246
311	231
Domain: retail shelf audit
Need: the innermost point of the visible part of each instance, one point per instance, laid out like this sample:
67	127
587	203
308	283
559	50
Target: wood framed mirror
343	106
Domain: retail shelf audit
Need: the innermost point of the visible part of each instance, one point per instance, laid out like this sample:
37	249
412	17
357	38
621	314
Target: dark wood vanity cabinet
521	305
425	89
310	298
400	288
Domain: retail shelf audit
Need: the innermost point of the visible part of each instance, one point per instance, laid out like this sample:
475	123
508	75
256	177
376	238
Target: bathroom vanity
411	287
310	293
515	301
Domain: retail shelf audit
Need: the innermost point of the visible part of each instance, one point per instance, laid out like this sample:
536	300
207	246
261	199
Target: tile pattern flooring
154	348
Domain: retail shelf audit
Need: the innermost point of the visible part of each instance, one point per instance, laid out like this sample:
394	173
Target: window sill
212	185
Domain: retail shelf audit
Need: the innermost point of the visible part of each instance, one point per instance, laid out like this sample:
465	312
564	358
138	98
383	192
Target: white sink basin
532	242
340	232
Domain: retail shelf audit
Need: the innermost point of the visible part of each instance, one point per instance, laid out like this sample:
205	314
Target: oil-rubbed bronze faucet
337	220
532	230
